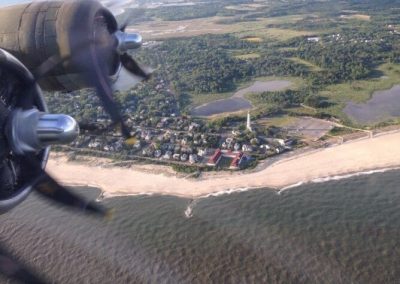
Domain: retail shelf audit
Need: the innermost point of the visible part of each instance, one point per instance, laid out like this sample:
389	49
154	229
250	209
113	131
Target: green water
336	232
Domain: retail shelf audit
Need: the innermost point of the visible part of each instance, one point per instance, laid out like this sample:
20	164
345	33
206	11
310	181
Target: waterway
238	102
382	106
341	231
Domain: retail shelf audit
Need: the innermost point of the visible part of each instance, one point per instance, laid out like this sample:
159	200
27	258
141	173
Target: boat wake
189	209
192	204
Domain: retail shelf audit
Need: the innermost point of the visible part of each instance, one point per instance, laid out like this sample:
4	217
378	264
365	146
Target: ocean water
341	231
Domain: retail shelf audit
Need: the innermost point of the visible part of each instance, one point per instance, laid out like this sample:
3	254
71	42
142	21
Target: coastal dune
352	157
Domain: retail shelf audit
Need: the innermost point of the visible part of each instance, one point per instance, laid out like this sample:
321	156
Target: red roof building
236	161
214	160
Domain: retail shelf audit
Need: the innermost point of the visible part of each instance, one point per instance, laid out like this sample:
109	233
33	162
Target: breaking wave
226	192
337	177
192	204
290	187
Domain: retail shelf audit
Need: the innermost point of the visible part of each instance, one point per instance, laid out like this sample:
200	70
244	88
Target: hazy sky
11	2
117	5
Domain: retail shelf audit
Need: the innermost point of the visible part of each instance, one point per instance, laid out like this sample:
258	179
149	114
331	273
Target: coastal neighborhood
232	99
165	135
190	144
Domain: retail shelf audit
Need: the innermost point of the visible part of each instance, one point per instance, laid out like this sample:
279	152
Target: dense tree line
349	50
275	64
344	61
205	64
283	99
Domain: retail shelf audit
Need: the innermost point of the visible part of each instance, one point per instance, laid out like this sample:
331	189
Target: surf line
336	178
193	202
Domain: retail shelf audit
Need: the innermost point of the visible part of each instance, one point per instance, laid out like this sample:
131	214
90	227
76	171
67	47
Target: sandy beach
381	152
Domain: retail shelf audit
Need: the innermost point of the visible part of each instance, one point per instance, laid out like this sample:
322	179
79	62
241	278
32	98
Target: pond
382	106
238	102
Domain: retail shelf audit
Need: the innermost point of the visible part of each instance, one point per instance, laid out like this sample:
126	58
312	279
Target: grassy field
158	29
311	66
278	121
247	56
360	91
246	7
253	39
201	99
302	111
274	33
361	17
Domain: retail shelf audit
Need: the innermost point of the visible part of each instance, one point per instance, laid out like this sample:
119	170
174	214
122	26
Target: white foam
105	194
226	192
337	177
289	187
340	177
189	209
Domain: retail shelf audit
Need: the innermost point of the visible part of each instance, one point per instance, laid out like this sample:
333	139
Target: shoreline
359	157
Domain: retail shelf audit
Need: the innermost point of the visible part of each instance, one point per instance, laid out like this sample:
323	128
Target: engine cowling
53	30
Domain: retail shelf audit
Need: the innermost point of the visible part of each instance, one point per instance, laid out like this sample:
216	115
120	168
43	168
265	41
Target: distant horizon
116	9
14	2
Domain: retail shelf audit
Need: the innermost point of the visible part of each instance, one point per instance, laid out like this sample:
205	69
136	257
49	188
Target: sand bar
356	156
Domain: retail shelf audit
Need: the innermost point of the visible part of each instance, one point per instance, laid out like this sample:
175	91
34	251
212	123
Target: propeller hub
128	41
32	130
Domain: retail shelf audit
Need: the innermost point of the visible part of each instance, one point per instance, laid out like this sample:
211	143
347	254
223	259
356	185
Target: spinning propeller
112	46
95	52
26	132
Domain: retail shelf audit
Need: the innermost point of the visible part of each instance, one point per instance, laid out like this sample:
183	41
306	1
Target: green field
200	99
271	33
310	65
247	56
158	29
269	37
278	121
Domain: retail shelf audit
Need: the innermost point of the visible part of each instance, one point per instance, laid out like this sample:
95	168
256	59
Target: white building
247	148
313	39
248	125
168	155
193	158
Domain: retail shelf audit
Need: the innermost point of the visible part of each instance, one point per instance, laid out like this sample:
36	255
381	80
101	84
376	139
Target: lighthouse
248	125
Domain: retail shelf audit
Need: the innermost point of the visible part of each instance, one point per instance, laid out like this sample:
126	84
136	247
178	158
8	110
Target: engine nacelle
53	30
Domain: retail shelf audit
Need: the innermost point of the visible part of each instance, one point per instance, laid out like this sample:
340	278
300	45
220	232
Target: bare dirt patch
310	128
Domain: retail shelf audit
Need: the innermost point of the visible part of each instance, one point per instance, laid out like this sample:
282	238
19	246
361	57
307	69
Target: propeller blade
133	67
104	91
49	188
45	185
86	126
123	26
13	269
